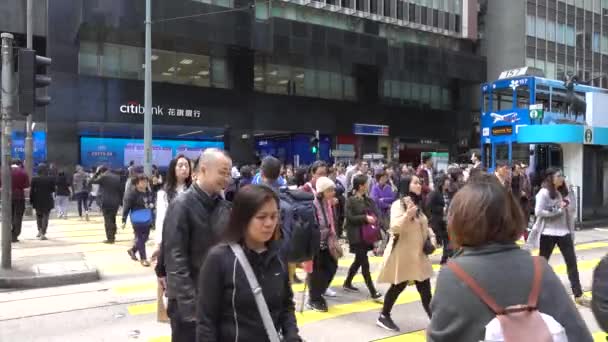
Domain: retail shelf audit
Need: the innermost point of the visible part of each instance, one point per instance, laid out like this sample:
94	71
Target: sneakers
132	255
317	306
38	235
350	288
145	263
377	295
86	216
330	293
387	323
583	300
108	242
43	237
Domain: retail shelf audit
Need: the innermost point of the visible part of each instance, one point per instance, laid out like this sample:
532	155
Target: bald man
194	222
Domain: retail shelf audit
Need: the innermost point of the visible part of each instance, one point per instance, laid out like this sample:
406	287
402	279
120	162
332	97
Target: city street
122	307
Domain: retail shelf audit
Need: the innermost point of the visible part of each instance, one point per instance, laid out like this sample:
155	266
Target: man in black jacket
599	303
194	222
110	189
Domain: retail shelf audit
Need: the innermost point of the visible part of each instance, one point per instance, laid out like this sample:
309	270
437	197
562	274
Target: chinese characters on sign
133	107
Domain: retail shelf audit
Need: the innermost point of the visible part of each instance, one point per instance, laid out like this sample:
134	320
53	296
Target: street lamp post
148	93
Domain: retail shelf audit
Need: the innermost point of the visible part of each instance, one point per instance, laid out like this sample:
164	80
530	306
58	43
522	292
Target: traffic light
314	145
29	79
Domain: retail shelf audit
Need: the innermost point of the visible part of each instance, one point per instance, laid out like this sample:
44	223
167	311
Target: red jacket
19	181
424	180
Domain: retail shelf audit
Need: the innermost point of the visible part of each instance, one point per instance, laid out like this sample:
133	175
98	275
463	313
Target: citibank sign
134	107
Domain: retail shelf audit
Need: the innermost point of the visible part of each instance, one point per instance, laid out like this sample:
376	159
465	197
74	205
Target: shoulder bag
273	335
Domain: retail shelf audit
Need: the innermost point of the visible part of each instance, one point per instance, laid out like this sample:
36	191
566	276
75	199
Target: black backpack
300	228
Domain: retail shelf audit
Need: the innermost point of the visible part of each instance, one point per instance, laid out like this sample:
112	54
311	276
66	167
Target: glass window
277	79
194	70
540	28
349	88
445	98
523	97
132	62
436	97
502	99
425	93
323	84
88	59
520	153
551	31
336	87
604	44
502	152
561	33
596	42
530	62
395	89
110	60
219	74
530	30
163	66
406	90
570	37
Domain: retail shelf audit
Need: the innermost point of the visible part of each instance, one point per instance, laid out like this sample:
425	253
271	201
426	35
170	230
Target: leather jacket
193	224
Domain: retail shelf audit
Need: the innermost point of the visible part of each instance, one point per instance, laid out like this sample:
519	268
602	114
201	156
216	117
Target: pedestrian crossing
356	306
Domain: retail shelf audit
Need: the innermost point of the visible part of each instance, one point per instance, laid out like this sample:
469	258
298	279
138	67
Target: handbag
370	233
428	248
335	249
271	331
141	218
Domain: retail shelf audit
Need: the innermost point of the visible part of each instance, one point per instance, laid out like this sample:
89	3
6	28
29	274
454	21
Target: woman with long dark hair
227	308
404	257
63	191
360	211
554	226
438	204
179	178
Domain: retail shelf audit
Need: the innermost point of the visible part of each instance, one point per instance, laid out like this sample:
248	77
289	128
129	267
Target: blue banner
118	152
39	142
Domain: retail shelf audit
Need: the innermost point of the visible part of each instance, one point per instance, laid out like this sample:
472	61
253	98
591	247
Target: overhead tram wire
238	9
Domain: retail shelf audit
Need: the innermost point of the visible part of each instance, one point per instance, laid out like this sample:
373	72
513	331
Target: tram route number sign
536	111
502	130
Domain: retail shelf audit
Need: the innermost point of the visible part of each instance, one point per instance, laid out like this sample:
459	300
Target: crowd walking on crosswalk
228	242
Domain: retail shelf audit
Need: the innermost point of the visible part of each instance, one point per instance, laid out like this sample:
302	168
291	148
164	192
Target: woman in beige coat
404	259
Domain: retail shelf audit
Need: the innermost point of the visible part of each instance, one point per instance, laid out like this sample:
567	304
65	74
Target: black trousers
42	220
447	250
18	208
566	246
323	272
181	331
361	261
423	287
109	221
82	198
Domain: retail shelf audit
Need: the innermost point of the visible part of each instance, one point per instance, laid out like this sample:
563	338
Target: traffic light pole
7	94
148	94
29	144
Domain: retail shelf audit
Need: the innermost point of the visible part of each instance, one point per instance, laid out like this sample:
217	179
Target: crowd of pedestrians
228	240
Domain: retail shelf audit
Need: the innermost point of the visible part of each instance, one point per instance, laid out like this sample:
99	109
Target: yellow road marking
142	309
160	339
600	337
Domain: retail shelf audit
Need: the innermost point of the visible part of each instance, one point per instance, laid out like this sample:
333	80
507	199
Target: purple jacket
383	196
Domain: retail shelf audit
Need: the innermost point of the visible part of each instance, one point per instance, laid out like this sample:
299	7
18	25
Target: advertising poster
18	146
118	152
440	159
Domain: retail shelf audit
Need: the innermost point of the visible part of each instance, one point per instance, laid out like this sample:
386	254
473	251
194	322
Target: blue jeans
61	202
82	198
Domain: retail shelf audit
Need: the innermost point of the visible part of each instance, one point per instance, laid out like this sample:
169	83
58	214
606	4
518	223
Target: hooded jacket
227	309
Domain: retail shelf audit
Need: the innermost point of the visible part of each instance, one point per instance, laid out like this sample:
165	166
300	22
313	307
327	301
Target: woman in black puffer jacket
227	309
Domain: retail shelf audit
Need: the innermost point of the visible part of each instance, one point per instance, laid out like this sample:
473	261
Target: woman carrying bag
228	308
325	263
138	205
361	222
406	256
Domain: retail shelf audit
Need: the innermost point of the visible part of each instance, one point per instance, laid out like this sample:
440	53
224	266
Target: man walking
19	182
80	189
194	222
110	190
